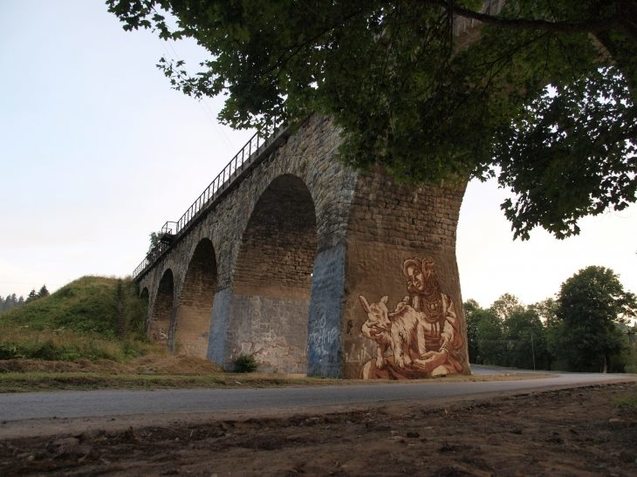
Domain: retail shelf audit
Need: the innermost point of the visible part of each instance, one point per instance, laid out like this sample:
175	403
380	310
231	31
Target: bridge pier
393	230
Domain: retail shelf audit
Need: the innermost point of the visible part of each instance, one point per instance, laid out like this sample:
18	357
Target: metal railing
141	267
246	156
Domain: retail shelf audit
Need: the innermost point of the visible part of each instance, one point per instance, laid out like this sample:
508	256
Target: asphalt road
119	403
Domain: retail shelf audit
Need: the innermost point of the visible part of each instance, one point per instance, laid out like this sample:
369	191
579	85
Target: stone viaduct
273	258
274	263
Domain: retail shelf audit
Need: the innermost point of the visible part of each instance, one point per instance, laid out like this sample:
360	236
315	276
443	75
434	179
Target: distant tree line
10	301
13	301
585	328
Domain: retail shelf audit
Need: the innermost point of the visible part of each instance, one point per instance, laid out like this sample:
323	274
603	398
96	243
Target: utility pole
533	351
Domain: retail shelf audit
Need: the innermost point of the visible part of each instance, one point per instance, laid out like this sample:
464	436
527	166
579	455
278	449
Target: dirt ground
578	432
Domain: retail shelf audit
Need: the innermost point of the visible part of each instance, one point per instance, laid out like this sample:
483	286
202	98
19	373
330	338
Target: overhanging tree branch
591	26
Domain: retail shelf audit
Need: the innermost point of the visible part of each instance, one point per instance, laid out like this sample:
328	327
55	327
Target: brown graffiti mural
421	338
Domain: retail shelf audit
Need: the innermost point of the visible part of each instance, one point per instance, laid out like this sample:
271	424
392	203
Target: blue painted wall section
219	326
326	307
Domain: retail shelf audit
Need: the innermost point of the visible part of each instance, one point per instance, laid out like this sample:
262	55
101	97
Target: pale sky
96	152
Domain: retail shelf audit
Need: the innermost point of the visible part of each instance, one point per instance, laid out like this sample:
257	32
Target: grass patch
46	381
627	403
22	342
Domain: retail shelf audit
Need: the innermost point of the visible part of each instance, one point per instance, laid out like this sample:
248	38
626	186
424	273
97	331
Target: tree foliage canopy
507	333
506	305
428	104
526	335
590	306
10	301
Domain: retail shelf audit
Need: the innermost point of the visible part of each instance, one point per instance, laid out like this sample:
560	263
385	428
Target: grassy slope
88	304
92	317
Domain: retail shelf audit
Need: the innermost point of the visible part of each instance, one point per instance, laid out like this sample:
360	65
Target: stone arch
161	317
273	277
192	322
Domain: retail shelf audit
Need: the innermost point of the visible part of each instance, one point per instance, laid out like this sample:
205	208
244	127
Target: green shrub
9	351
47	351
245	363
132	349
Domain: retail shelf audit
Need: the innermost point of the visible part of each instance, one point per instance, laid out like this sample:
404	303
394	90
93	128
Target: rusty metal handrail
220	183
141	267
